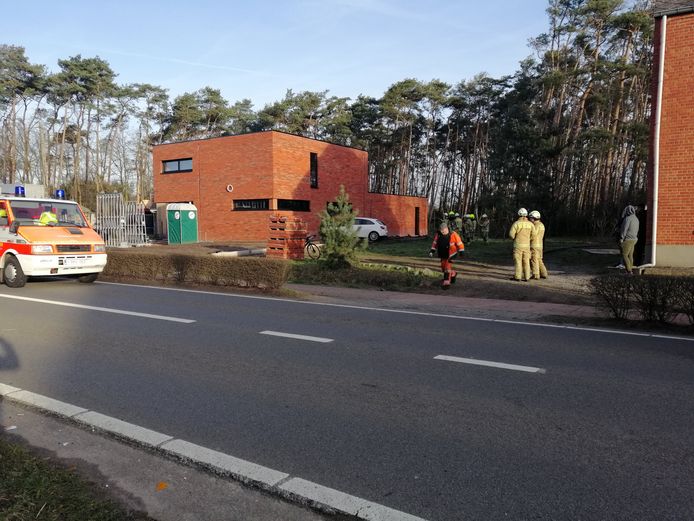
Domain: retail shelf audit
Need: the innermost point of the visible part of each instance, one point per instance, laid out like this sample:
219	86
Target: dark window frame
178	165
313	170
253	205
294	205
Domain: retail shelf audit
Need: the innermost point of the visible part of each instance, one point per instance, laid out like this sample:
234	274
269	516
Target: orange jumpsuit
446	247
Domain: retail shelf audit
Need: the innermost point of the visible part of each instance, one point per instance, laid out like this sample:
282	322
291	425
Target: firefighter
522	232
446	245
48	218
484	227
537	265
469	226
458	223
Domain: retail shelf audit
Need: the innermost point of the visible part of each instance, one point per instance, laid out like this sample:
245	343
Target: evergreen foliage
340	240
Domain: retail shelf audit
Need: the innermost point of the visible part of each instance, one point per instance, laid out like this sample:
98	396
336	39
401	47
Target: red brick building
238	182
671	180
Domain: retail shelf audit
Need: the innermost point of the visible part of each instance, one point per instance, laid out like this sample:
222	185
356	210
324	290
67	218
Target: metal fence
121	223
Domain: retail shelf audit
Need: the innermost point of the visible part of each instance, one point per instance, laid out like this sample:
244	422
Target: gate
120	223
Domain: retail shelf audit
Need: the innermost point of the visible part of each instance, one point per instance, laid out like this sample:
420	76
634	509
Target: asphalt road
603	429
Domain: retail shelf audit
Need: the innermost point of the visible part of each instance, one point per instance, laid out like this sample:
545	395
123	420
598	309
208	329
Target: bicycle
311	248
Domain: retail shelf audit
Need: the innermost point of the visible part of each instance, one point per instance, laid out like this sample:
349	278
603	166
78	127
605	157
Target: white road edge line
297	337
401	311
487	363
96	308
289	487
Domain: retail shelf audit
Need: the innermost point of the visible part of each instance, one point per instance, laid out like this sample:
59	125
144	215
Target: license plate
74	261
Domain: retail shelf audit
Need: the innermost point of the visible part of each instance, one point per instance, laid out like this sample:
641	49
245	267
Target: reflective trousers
521	258
537	266
448	272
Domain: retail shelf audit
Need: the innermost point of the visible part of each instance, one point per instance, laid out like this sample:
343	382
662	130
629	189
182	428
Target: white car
368	227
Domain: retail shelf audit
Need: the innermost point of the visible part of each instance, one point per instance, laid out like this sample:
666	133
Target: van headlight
100	248
41	248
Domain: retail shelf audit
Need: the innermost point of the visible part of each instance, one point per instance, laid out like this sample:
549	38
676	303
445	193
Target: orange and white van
31	246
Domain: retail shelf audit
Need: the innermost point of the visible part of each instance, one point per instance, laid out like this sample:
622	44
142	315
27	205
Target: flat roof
258	132
672	7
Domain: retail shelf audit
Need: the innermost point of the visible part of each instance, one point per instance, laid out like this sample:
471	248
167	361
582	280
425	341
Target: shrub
259	272
613	292
655	297
685	297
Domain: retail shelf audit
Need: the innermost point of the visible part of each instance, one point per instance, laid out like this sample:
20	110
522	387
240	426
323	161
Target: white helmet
535	214
523	212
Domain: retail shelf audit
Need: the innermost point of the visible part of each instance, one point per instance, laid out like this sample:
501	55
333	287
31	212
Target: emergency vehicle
44	237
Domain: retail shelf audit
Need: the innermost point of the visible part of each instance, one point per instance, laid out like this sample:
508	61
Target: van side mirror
14	227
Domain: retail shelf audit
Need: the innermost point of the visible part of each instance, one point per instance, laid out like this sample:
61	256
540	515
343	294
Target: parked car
368	227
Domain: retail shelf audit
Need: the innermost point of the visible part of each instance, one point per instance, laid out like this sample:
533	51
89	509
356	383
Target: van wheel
13	274
89	278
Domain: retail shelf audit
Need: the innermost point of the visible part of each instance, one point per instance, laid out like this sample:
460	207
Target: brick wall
676	177
272	165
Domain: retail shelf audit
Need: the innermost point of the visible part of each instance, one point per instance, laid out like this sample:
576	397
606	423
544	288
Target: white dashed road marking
297	337
487	363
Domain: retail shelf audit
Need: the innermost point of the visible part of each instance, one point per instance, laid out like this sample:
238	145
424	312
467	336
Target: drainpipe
656	142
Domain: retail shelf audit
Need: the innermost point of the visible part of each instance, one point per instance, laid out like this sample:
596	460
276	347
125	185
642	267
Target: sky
259	49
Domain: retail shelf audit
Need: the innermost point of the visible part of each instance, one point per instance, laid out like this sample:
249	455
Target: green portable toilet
182	223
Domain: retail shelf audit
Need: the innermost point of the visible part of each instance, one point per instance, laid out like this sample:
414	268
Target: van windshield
28	213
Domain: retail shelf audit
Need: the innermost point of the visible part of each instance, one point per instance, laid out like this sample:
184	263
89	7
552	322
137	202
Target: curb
291	488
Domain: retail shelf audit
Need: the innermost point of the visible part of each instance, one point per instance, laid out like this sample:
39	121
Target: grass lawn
34	488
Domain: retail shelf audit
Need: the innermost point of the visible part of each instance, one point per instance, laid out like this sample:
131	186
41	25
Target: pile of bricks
287	236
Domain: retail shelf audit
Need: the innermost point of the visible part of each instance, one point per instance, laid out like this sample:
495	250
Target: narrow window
314	170
251	204
293	205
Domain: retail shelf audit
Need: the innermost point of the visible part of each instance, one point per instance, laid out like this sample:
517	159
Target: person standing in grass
446	245
522	232
484	227
537	265
628	235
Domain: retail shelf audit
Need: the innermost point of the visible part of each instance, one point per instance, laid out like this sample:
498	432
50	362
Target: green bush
685	297
258	272
655	297
613	292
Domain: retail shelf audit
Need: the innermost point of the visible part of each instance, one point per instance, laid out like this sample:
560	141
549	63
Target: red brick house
238	182
671	180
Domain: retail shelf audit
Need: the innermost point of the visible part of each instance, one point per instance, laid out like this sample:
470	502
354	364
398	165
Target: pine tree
337	231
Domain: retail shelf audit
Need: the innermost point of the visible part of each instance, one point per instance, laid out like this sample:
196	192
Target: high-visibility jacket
522	231
536	240
447	245
48	218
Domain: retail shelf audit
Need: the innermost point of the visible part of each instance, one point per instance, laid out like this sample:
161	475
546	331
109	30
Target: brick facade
273	165
675	219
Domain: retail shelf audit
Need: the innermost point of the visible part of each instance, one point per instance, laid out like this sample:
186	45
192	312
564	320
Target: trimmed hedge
258	272
654	297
